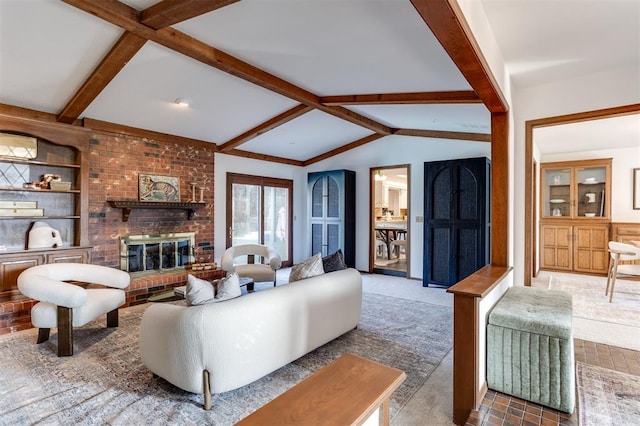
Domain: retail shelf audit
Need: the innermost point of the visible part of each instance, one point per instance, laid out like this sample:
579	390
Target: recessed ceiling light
182	102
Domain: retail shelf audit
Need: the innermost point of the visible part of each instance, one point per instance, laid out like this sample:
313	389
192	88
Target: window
259	211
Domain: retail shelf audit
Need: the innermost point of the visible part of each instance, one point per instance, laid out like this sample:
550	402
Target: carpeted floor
607	397
105	381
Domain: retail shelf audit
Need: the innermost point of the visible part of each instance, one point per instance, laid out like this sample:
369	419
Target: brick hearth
15	315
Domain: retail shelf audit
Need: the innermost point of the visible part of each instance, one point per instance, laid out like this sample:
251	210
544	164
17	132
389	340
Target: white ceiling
606	133
328	47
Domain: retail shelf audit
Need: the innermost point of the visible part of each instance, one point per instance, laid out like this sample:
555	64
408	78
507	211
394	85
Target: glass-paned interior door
259	211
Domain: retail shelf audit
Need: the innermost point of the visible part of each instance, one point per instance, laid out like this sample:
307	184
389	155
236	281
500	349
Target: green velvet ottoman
530	347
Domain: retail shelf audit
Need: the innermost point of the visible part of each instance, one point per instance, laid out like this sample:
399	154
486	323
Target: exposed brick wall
115	163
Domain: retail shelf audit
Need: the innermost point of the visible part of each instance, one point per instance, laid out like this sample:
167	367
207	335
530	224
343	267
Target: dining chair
621	252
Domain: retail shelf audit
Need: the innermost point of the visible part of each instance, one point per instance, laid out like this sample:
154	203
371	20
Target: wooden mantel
128	205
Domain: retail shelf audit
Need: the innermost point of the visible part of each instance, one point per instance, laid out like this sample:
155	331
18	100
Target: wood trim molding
451	97
529	221
107	127
14	111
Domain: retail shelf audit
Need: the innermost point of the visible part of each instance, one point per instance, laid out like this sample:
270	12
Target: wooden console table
346	392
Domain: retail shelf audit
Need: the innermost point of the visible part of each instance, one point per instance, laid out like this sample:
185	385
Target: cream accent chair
65	305
260	270
620	252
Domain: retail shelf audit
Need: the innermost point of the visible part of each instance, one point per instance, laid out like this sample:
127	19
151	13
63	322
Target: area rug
590	301
105	382
607	397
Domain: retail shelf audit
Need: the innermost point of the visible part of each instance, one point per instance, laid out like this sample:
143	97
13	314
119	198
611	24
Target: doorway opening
389	231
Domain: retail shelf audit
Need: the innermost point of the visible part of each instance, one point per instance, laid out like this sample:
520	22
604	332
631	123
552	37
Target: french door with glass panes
259	211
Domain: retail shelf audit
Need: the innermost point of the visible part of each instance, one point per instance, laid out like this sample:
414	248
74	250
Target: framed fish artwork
158	188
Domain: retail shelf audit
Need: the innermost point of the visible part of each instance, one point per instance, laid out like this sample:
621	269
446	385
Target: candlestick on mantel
193	191
201	194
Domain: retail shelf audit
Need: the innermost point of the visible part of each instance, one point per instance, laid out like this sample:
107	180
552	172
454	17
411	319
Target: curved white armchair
65	305
260	270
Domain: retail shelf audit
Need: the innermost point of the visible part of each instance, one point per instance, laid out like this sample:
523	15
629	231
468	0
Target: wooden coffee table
346	392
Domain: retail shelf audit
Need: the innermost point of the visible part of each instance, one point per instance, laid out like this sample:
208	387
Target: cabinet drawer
11	268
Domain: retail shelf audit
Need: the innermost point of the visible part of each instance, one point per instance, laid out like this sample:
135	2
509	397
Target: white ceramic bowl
590	215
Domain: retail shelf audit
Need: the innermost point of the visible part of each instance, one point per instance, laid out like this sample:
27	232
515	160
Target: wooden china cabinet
52	149
575	219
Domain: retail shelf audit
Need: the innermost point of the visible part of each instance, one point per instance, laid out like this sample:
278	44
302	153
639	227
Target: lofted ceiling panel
333	47
47	50
312	134
472	118
544	41
220	107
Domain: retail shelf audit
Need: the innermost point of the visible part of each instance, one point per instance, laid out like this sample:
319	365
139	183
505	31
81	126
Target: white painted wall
391	150
606	89
624	161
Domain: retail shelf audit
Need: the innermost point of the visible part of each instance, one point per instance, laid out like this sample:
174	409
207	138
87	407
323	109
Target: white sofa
218	347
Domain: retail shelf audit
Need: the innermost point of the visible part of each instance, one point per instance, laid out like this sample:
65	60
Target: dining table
389	231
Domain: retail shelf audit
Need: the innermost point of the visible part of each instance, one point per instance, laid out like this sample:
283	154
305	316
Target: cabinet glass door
590	197
556	194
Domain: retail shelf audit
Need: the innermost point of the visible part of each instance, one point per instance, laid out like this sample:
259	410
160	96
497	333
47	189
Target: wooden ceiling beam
450	97
442	134
270	124
126	17
446	21
264	157
170	12
343	148
125	48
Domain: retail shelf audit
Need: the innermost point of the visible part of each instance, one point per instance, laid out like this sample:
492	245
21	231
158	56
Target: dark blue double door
456	219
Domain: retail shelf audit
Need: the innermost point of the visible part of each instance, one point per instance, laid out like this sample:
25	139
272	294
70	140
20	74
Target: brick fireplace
115	161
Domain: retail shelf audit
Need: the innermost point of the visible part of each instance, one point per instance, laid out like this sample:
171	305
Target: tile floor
501	409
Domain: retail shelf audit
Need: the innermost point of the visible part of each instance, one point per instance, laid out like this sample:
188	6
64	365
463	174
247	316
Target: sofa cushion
307	269
228	288
334	262
198	291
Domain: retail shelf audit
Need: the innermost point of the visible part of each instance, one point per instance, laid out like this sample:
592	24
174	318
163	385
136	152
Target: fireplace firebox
156	252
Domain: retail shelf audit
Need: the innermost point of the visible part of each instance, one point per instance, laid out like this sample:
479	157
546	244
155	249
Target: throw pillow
198	291
334	262
228	288
307	269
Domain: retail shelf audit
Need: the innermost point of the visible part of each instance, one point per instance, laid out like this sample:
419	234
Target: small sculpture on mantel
193	192
42	235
